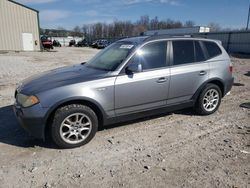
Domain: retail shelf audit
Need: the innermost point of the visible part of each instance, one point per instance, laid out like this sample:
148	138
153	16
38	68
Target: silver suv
131	78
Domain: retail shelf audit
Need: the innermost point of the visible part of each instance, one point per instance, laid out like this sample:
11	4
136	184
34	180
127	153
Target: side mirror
133	68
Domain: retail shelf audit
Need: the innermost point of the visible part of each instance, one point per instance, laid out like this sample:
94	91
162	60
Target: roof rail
167	36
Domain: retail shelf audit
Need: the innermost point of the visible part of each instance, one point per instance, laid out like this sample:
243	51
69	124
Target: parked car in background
131	78
82	43
72	43
94	44
46	42
102	44
56	43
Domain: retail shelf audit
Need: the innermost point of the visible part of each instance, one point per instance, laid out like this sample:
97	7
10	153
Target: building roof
23	6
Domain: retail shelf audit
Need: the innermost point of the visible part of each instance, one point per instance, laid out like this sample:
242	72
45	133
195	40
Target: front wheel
73	126
209	100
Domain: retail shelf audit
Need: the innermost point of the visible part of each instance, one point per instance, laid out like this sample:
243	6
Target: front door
28	42
147	89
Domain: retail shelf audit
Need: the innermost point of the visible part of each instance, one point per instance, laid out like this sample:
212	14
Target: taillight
231	68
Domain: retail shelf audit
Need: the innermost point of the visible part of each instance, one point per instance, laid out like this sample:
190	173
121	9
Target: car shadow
12	133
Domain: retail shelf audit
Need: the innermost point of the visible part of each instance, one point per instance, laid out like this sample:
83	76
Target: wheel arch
75	100
217	81
220	84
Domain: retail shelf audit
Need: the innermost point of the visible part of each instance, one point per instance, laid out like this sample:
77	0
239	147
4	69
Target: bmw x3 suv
131	78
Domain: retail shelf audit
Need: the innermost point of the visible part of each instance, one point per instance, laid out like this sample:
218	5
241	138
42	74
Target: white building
19	27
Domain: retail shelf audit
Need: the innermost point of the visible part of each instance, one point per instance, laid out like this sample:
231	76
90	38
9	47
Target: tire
202	104
73	126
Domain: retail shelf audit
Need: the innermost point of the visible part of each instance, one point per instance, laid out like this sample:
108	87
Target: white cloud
131	2
35	1
53	15
87	1
170	2
101	20
94	14
125	2
91	13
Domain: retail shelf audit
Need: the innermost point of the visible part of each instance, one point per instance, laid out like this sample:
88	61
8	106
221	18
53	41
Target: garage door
28	42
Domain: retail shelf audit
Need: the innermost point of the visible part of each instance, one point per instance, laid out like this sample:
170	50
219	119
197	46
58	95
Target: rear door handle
202	73
161	80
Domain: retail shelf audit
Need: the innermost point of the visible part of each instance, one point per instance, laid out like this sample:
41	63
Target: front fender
72	100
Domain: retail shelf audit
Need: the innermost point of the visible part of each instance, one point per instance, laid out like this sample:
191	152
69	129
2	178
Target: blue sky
69	13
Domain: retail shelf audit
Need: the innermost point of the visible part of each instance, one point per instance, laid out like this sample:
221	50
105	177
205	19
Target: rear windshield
213	49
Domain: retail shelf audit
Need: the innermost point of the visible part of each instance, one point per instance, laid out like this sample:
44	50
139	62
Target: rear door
147	89
188	70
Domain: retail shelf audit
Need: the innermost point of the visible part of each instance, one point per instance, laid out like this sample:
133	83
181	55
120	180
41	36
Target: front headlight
26	101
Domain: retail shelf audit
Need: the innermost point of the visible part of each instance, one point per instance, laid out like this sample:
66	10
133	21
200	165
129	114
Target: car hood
60	77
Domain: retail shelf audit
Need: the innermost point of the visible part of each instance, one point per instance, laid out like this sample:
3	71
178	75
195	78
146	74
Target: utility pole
248	18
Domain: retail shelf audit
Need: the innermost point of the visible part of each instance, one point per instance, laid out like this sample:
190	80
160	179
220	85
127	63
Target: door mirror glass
134	68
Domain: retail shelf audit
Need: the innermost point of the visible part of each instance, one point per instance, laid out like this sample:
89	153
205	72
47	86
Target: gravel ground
179	149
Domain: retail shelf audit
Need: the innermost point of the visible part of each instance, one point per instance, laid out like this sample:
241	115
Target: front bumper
32	119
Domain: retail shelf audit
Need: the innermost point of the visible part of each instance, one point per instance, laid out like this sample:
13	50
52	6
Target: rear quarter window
213	49
199	52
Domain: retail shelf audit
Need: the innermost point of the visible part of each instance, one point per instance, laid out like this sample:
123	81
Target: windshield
110	58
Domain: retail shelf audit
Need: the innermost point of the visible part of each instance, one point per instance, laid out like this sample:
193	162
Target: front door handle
202	73
161	80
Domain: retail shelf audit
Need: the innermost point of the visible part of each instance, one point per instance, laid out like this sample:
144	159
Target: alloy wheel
75	128
211	100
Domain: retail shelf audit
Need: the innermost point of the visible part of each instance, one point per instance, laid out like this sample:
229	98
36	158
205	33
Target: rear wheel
74	125
209	100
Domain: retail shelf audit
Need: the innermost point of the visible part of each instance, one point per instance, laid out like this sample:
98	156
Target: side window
199	52
212	49
183	52
152	55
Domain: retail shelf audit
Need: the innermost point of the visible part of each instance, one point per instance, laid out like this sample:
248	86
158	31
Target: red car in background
46	42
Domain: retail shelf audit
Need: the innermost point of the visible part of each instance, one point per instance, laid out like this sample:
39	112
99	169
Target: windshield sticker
127	46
